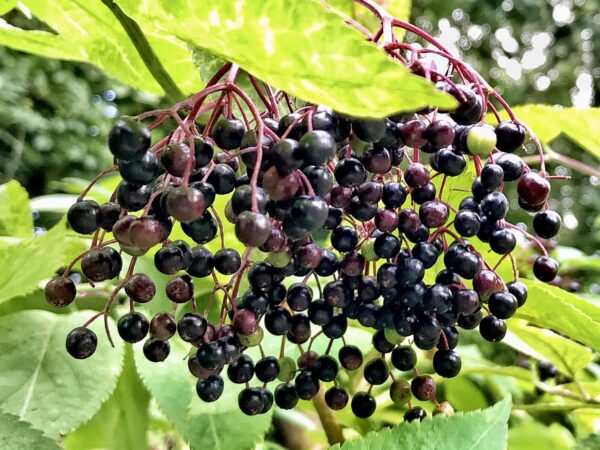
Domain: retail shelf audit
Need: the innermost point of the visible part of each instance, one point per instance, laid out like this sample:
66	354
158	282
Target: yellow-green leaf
299	47
15	213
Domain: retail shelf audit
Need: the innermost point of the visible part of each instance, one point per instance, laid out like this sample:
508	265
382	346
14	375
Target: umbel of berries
306	224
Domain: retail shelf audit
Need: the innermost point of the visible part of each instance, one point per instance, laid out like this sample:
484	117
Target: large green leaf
568	356
578	124
7	5
217	426
296	46
89	32
15	213
18	435
563	312
122	421
41	382
485	429
25	264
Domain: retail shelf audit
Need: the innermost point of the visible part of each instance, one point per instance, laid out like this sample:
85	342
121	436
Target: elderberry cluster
350	214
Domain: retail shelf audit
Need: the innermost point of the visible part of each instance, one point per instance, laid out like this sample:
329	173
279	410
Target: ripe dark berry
84	216
547	224
191	327
519	290
503	304
369	130
494	206
81	343
376	371
286	396
185	204
325	368
510	136
227	261
180	289
492	328
404	358
228	133
132	197
350	357
512	166
133	327
446	363
251	401
140	288
503	241
336	398
416	175
363	405
350	172
423	387
467	223
266	369
156	351
307	385
545	268
128	139
102	264
163	326
210	388
415	413
533	189
60	292
316	148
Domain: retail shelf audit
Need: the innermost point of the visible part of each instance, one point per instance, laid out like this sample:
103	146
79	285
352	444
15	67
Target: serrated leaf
25	264
173	388
569	357
296	46
122	421
578	124
591	442
89	32
41	382
485	429
16	434
15	213
563	312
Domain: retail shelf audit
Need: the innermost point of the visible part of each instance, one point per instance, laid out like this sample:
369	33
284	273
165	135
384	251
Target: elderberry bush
397	258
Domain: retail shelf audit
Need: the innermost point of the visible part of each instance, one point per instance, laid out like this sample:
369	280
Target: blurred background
56	114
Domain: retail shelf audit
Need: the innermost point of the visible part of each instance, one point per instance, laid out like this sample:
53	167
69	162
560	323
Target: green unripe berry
368	250
481	140
280	258
287	369
392	336
400	392
251	340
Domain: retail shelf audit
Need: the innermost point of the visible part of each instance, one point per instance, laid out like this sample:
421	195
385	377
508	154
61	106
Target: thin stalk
155	67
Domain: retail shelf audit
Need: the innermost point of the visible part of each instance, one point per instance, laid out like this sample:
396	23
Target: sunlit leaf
296	46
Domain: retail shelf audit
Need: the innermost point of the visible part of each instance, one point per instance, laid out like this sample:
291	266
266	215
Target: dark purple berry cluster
351	215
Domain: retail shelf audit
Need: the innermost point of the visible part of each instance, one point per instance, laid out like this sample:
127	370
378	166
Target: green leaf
296	46
7	5
552	437
122	421
33	255
41	382
464	394
508	371
569	357
591	442
578	124
218	426
485	429
563	312
15	213
16	434
89	32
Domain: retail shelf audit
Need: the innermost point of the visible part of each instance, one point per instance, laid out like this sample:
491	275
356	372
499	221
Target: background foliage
55	114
